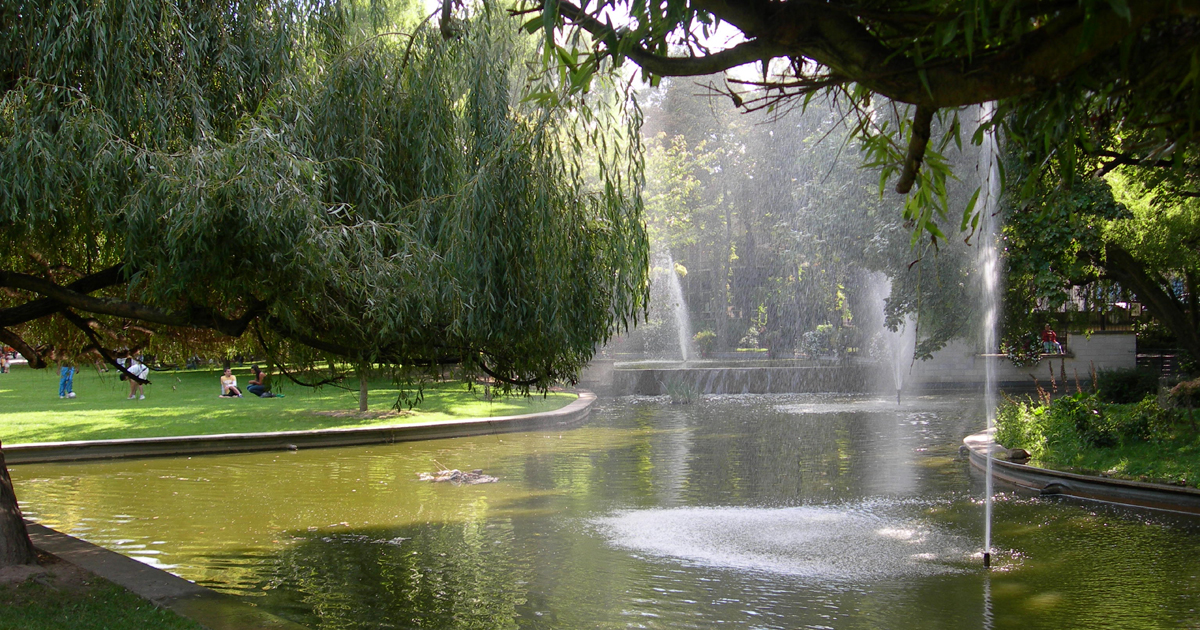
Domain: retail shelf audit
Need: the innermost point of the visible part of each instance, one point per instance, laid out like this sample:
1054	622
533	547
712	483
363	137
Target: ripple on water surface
861	542
827	405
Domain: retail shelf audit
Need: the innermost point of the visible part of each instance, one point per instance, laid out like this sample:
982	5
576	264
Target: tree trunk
1131	273
1193	299
362	389
15	546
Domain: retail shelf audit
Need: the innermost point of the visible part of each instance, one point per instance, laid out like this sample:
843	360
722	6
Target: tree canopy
311	180
1063	71
304	177
1082	89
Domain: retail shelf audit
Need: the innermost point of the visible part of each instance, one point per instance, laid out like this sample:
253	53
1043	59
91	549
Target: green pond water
794	511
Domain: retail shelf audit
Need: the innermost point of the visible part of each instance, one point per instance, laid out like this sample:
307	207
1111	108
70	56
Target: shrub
1082	413
1125	386
818	342
1144	420
1185	394
1079	421
750	340
1017	425
705	340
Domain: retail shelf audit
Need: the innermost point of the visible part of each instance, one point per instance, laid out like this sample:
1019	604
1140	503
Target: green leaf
534	25
1121	8
969	215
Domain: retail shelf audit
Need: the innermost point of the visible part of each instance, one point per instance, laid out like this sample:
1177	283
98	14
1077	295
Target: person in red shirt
1050	343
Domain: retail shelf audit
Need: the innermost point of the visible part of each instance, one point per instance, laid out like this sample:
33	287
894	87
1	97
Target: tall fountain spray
683	324
903	344
989	264
895	347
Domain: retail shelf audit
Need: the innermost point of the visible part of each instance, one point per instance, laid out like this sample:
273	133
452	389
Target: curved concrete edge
210	609
572	414
1052	482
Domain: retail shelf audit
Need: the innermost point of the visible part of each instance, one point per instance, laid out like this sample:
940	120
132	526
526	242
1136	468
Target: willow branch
504	379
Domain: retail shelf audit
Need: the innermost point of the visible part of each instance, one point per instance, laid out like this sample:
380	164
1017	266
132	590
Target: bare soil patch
51	572
364	415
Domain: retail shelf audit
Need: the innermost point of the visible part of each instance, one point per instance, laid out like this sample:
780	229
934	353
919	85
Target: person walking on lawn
66	381
136	387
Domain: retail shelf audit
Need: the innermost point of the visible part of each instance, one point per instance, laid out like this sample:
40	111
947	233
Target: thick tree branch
921	125
198	317
1131	273
85	326
446	27
43	307
1126	159
841	41
31	355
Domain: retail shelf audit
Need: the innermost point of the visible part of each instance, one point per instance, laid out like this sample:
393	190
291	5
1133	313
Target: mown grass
1142	441
186	402
71	598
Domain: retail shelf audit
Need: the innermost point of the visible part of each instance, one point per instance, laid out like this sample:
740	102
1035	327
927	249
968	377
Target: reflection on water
793	511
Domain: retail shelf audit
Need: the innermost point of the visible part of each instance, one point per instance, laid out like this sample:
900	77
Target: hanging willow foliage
393	199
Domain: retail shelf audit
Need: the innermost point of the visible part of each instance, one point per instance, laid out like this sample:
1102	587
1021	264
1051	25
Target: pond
773	511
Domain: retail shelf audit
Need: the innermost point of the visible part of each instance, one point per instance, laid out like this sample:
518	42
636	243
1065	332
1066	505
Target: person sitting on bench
1050	343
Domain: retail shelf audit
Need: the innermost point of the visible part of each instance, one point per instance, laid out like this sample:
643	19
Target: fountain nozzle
897	395
987	560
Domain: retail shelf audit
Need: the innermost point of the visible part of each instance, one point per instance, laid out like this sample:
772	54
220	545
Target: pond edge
44	452
1052	482
213	610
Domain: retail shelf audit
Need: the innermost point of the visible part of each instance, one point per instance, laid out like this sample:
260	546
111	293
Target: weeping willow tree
298	179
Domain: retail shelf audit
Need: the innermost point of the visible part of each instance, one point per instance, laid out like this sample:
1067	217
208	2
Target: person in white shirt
136	387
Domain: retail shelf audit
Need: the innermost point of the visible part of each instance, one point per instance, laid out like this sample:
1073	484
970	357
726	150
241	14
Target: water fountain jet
989	194
683	324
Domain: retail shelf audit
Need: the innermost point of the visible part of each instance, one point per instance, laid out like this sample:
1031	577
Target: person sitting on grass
229	388
260	385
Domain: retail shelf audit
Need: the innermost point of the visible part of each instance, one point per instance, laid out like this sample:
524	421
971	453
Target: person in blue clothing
66	381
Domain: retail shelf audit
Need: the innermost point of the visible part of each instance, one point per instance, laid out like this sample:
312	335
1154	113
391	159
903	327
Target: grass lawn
61	595
186	402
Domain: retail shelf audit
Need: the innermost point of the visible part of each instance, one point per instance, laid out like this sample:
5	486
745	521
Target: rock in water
458	477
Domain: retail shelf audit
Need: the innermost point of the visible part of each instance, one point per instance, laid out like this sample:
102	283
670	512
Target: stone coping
1052	482
213	610
572	414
